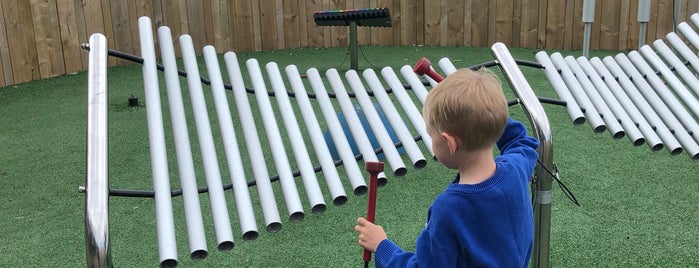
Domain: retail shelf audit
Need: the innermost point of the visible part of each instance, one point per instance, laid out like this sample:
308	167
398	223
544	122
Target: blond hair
469	105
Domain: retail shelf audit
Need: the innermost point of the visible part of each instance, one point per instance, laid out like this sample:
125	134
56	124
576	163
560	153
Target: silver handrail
96	174
542	181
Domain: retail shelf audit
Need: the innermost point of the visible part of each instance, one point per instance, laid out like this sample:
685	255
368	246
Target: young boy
484	217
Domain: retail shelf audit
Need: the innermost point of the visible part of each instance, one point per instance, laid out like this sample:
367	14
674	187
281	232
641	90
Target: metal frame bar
542	181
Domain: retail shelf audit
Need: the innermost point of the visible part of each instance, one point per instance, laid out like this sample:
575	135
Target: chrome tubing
542	181
97	250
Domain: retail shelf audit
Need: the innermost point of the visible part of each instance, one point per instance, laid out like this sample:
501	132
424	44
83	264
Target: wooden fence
41	38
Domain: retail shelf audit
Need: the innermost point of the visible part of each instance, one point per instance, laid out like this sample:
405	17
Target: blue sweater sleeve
517	145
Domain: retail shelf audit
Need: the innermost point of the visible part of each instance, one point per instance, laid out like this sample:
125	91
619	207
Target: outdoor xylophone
242	144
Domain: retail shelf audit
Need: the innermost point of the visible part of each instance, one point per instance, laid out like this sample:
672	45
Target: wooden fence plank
269	22
256	29
70	42
479	23
516	22
122	28
22	47
504	14
468	17
609	35
220	26
541	24
5	64
432	14
554	24
569	21
316	34
624	7
530	20
197	28
242	18
665	20
455	23
291	24
81	29
108	29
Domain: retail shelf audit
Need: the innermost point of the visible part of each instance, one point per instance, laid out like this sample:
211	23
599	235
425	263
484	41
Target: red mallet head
374	167
422	67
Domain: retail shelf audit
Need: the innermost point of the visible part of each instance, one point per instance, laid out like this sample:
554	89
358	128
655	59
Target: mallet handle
374	168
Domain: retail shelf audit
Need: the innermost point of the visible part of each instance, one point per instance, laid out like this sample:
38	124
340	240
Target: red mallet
374	168
422	67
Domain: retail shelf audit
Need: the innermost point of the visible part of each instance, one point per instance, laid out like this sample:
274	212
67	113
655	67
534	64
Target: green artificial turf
638	208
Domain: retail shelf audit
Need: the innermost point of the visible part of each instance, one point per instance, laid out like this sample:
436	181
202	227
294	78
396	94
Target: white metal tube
610	120
415	84
630	129
678	117
361	138
447	66
408	105
276	144
677	86
212	171
185	164
690	56
354	174
591	114
625	80
332	178
270	211
243	203
560	88
372	116
394	118
695	19
651	138
167	247
298	146
689	33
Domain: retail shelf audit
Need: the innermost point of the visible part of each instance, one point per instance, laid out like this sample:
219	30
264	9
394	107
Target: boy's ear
452	142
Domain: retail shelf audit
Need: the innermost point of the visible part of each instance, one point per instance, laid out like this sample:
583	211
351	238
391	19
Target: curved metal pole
542	181
96	174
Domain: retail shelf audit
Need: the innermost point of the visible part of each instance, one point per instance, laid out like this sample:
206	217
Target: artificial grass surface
639	209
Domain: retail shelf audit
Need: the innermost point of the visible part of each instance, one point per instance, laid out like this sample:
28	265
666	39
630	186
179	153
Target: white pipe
332	178
681	48
212	171
167	247
610	120
694	18
625	80
630	129
270	211
669	107
361	138
408	105
185	164
354	174
298	146
560	88
669	78
447	66
276	144
651	138
415	84
394	118
591	114
689	33
372	116
243	203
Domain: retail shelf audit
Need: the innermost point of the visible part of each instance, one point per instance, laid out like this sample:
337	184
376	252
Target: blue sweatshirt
489	224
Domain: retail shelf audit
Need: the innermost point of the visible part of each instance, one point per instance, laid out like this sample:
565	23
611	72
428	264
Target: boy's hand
370	235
